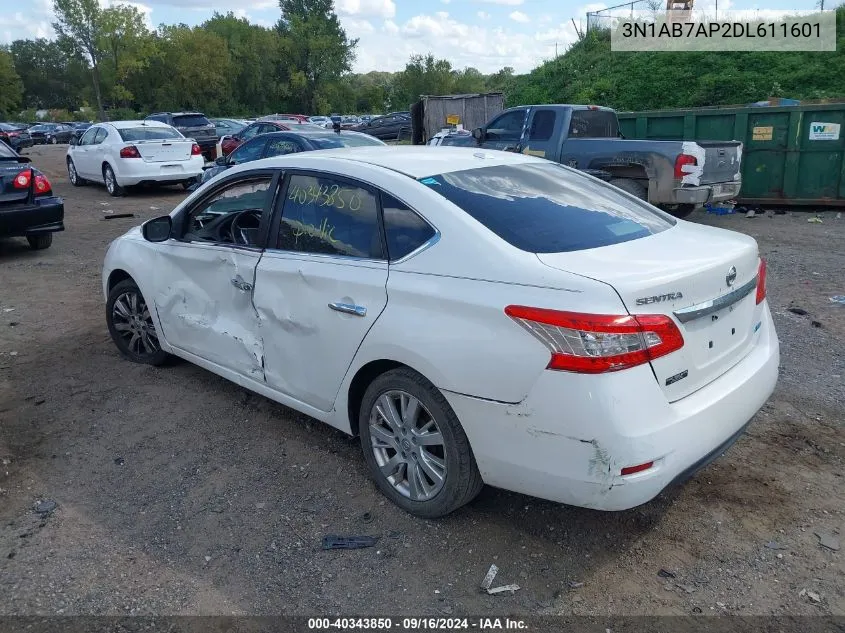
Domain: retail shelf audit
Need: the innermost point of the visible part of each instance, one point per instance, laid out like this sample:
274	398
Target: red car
281	117
230	143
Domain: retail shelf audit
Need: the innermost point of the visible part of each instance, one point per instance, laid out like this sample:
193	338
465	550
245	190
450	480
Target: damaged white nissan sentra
475	316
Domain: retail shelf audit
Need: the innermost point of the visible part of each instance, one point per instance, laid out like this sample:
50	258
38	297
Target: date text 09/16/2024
417	624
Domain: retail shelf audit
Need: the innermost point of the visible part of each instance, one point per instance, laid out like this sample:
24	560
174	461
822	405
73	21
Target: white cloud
519	16
366	8
36	21
358	28
390	27
483	15
511	3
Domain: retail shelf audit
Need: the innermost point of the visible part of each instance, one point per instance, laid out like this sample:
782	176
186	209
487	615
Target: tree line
107	59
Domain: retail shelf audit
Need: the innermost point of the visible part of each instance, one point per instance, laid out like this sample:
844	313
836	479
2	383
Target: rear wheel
634	187
73	176
415	447
40	242
680	210
112	187
131	325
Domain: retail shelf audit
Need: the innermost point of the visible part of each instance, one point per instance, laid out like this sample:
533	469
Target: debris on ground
798	311
117	216
812	595
665	574
816	323
840	299
8	309
575	585
828	541
119	461
839	216
687	588
46	506
774	545
488	581
367	517
751	214
815	220
348	542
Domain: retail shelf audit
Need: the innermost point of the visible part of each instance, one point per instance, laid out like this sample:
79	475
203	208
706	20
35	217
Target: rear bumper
572	435
700	196
45	216
129	174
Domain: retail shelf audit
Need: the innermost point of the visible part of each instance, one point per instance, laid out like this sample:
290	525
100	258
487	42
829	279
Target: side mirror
221	161
158	229
479	135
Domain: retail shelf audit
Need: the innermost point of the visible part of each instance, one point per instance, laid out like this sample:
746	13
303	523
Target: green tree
80	22
423	75
11	87
53	74
315	52
125	45
469	80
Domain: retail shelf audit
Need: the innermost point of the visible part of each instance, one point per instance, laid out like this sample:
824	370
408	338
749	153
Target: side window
249	132
542	125
231	216
508	127
88	137
247	152
593	124
278	147
322	214
404	229
101	136
266	128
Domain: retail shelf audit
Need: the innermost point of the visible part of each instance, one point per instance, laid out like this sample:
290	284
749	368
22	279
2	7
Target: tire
187	184
73	176
397	451
135	338
634	187
110	179
53	140
680	210
40	242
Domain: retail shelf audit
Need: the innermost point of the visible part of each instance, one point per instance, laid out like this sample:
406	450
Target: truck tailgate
721	161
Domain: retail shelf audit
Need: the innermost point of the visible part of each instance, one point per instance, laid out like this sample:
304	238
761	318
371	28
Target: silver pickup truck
678	176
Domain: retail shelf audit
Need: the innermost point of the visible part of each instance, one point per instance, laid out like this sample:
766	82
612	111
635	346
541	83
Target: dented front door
205	305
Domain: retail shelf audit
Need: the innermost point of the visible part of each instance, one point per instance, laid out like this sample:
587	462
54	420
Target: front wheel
73	175
112	187
53	140
415	447
131	325
40	242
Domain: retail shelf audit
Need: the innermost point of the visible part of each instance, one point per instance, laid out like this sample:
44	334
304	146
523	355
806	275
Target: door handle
239	283
349	308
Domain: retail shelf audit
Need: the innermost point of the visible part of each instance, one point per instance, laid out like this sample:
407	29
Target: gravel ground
180	493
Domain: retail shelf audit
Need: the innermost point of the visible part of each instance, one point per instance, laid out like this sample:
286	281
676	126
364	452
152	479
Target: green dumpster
791	154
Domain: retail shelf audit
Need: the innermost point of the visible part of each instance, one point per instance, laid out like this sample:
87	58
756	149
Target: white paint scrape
692	173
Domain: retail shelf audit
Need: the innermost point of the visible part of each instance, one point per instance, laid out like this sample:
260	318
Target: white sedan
125	153
475	316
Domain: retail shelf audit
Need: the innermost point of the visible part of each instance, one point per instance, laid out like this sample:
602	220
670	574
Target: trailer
431	114
793	154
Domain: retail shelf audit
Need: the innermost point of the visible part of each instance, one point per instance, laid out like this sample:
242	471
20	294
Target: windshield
340	140
8	128
148	133
190	120
546	208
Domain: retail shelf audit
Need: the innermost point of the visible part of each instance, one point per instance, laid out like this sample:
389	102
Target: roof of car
416	161
122	125
314	132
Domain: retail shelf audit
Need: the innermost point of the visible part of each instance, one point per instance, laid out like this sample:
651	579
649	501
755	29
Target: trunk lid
679	272
8	193
195	126
169	151
719	160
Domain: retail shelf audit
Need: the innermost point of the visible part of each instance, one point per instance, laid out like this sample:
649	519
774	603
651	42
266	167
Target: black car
15	136
51	133
388	127
28	207
79	129
193	125
280	143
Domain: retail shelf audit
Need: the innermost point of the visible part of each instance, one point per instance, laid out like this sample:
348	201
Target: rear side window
404	229
542	125
101	136
340	140
148	133
190	120
324	215
6	151
546	208
593	124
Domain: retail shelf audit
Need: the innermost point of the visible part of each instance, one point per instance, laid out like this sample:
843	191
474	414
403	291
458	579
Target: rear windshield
7	128
330	142
148	133
593	124
546	208
190	120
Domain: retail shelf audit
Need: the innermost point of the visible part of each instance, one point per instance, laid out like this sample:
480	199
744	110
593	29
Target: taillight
23	179
599	343
761	281
13	134
42	185
682	165
130	151
195	150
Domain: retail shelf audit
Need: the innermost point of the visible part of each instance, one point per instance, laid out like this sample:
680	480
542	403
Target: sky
484	34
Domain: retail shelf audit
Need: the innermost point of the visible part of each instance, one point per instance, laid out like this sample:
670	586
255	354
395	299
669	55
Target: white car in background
120	154
475	316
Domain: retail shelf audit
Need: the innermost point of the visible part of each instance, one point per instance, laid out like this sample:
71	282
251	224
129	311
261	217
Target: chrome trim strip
714	305
349	308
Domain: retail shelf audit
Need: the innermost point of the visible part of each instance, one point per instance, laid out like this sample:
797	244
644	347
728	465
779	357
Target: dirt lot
181	493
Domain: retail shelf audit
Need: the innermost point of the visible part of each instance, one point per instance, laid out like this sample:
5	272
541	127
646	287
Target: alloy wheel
133	323
408	446
109	176
71	172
